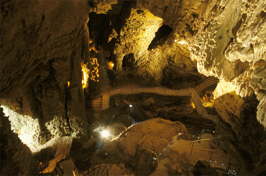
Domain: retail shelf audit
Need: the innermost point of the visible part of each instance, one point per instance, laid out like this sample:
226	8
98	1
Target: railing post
192	147
227	168
210	156
239	169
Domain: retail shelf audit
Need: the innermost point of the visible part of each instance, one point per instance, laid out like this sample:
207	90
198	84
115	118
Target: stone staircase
97	106
103	85
207	83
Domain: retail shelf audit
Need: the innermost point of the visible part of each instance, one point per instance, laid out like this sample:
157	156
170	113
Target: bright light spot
68	83
111	65
213	131
182	42
105	133
130	105
175	40
85	74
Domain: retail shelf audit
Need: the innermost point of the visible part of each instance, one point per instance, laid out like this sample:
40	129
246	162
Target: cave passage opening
128	60
160	36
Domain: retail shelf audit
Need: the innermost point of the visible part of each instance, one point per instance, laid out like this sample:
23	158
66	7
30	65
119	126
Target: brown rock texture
16	157
42	46
226	38
167	62
242	136
136	34
141	143
226	50
44	42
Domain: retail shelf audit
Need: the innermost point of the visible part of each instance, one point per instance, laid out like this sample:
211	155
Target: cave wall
241	135
42	46
12	150
232	48
226	38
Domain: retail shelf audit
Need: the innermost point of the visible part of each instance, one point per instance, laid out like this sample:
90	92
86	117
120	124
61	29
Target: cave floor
177	157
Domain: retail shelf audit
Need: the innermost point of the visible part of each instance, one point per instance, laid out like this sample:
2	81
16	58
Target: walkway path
162	91
107	92
208	82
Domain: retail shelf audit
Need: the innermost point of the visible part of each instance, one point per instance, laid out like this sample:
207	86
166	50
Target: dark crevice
128	60
238	25
160	36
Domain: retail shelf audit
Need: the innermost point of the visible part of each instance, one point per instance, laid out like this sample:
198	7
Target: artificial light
105	133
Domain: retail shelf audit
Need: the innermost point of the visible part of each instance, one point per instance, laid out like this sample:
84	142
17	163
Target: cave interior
133	87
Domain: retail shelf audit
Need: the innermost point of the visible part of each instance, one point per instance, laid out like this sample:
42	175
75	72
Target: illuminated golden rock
85	74
137	34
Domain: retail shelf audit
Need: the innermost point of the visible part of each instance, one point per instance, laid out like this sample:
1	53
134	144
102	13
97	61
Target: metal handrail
63	153
222	155
229	163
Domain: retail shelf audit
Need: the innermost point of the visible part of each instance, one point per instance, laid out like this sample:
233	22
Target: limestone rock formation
226	50
141	144
46	46
239	124
137	34
216	34
42	46
14	153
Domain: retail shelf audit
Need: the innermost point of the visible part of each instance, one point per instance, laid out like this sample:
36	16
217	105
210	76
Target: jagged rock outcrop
226	38
140	144
166	62
226	50
42	46
136	34
242	136
16	157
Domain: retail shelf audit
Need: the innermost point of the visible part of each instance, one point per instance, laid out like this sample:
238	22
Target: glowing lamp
130	106
105	133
